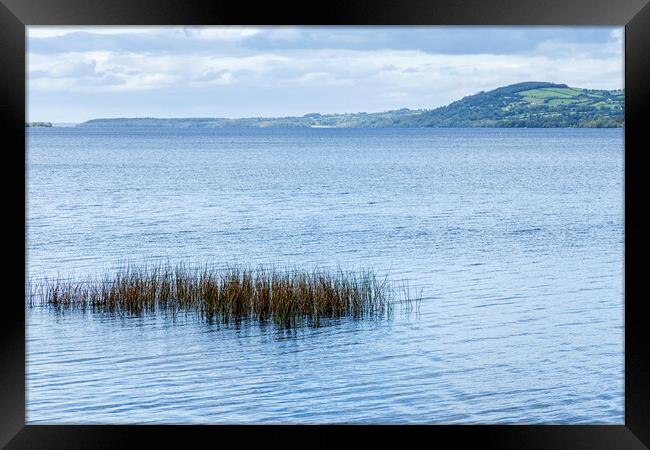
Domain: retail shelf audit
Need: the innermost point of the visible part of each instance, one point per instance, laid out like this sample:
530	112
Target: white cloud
320	79
213	78
329	80
225	33
407	71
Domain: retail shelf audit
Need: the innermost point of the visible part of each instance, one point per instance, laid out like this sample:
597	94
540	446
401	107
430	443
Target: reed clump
285	297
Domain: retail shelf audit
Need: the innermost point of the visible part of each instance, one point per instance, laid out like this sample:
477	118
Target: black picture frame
633	14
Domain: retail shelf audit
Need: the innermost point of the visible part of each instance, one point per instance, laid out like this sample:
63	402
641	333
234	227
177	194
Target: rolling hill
528	104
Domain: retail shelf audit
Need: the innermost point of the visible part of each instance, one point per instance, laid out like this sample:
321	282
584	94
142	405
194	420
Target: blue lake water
514	237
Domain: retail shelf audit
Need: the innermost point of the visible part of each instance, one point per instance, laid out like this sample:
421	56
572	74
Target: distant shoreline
38	124
335	128
523	105
530	104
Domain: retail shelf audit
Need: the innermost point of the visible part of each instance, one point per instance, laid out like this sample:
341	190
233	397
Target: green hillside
531	104
528	104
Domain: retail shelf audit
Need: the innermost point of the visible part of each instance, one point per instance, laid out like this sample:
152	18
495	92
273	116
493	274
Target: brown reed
285	297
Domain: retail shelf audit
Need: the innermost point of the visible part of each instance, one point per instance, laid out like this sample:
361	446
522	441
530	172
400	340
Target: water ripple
515	239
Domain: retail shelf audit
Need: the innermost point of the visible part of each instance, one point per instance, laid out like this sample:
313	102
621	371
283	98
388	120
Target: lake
514	237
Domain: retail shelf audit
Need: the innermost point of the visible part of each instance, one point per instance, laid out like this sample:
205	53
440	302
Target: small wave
527	230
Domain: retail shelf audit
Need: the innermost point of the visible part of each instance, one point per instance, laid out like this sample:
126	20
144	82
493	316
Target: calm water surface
515	238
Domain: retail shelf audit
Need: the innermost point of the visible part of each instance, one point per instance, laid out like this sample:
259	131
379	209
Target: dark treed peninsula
521	105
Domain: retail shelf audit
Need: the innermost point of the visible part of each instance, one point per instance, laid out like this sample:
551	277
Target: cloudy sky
76	74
